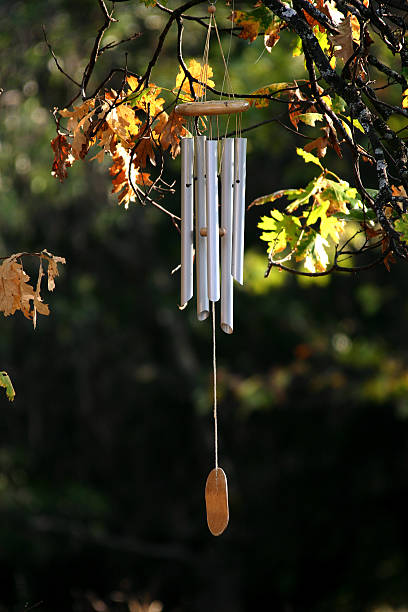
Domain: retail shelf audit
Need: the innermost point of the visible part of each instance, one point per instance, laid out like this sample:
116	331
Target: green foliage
314	219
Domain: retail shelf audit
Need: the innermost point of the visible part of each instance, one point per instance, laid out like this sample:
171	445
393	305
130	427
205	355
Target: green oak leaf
280	231
6	383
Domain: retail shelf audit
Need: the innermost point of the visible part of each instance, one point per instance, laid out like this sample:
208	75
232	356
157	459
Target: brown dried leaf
52	271
398	191
144	150
120	177
311	20
343	42
170	129
296	106
15	292
272	37
320	144
63	157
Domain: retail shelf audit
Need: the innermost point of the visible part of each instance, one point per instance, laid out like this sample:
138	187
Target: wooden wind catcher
213	175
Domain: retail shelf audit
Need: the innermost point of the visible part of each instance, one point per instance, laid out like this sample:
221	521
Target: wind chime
205	160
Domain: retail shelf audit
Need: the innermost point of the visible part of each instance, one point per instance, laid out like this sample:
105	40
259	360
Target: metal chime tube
201	222
213	269
239	210
227	196
187	191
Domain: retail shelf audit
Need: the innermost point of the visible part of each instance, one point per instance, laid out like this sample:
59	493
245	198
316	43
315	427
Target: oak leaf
280	230
320	144
52	270
6	383
399	191
201	72
311	20
343	42
124	123
63	157
251	22
132	82
15	292
144	149
272	37
170	129
79	121
276	89
122	183
147	100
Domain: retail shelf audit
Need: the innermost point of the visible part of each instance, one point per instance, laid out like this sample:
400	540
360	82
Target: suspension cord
215	387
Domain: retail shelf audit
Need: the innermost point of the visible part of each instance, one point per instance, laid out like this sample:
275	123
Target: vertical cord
204	67
215	387
226	73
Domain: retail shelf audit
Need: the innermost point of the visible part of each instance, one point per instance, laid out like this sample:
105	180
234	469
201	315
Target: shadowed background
105	451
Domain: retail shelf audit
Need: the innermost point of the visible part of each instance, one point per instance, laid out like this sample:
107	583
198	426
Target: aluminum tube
227	197
213	231
239	210
203	308
187	191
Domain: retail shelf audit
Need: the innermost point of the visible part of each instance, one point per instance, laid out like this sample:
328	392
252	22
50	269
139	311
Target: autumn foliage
131	127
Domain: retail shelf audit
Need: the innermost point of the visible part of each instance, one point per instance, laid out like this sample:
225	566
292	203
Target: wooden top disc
213	107
216	501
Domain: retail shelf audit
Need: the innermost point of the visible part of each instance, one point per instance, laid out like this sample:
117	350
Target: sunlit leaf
169	130
308	157
201	72
252	22
63	157
280	230
343	42
310	118
401	225
6	384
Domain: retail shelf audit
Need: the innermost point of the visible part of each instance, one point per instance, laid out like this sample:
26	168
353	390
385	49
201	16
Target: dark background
105	451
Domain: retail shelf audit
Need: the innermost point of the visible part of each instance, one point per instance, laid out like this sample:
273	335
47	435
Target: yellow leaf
132	82
279	89
355	29
123	122
405	99
148	101
202	73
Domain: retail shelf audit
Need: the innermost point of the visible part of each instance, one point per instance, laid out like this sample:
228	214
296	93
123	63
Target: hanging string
215	387
204	65
226	72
